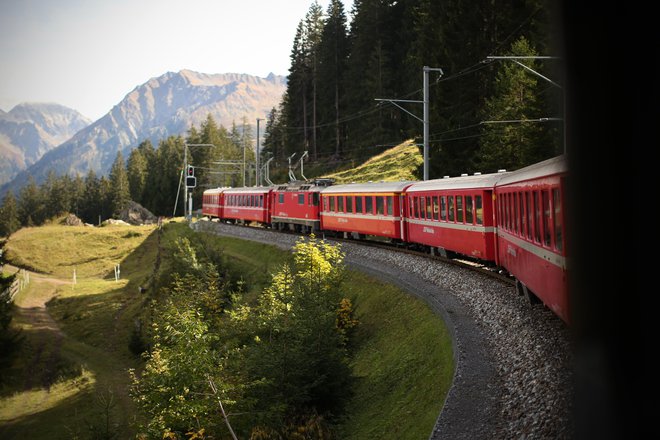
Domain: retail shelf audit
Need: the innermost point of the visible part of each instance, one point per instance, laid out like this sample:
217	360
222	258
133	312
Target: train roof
370	187
462	182
249	190
215	190
305	185
550	167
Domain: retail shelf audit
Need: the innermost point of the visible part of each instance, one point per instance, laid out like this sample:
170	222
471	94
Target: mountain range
167	105
30	130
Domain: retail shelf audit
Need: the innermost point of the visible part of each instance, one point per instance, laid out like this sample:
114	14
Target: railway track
472	265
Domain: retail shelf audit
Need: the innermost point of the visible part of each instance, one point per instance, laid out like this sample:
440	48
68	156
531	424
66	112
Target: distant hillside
30	130
163	106
398	163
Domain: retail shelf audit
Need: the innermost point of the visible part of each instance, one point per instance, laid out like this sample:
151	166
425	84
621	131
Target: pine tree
120	188
137	174
9	222
515	98
77	193
168	165
333	57
106	197
31	210
91	199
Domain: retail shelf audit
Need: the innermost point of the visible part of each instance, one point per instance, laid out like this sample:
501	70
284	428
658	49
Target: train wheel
531	298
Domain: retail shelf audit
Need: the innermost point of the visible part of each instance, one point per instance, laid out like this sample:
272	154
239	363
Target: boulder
71	220
136	214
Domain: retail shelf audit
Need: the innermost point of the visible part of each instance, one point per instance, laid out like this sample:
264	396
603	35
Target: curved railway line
513	374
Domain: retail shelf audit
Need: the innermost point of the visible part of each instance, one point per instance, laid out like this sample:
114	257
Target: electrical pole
185	167
258	181
427	69
425	119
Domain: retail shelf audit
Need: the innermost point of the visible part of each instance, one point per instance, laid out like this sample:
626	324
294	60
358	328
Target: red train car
531	232
453	214
296	205
213	202
364	209
245	205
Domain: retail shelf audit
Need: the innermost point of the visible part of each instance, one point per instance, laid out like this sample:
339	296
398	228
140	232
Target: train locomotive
512	220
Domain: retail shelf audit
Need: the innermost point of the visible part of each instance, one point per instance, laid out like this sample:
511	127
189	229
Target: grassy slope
398	163
403	360
86	329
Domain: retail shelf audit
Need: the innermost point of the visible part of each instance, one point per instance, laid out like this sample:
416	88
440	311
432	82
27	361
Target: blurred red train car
453	214
213	202
245	205
531	233
295	206
360	209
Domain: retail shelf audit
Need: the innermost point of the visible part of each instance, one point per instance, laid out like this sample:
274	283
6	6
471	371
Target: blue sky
88	54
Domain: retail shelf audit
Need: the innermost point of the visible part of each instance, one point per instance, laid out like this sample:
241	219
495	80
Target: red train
515	220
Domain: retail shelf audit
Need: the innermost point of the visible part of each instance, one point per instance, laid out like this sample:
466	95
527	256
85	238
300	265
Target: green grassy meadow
70	378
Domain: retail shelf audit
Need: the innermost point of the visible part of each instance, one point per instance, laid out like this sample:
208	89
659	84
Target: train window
315	199
390	205
280	198
450	208
301	199
422	206
369	204
469	218
479	210
349	203
443	208
511	212
515	212
436	208
415	207
537	216
530	212
545	199
340	204
358	204
521	213
379	205
261	201
429	208
459	209
556	202
332	203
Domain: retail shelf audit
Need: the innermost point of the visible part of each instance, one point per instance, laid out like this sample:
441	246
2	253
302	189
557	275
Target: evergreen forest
484	114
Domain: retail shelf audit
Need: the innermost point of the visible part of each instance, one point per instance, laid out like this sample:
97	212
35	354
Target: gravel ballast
513	361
